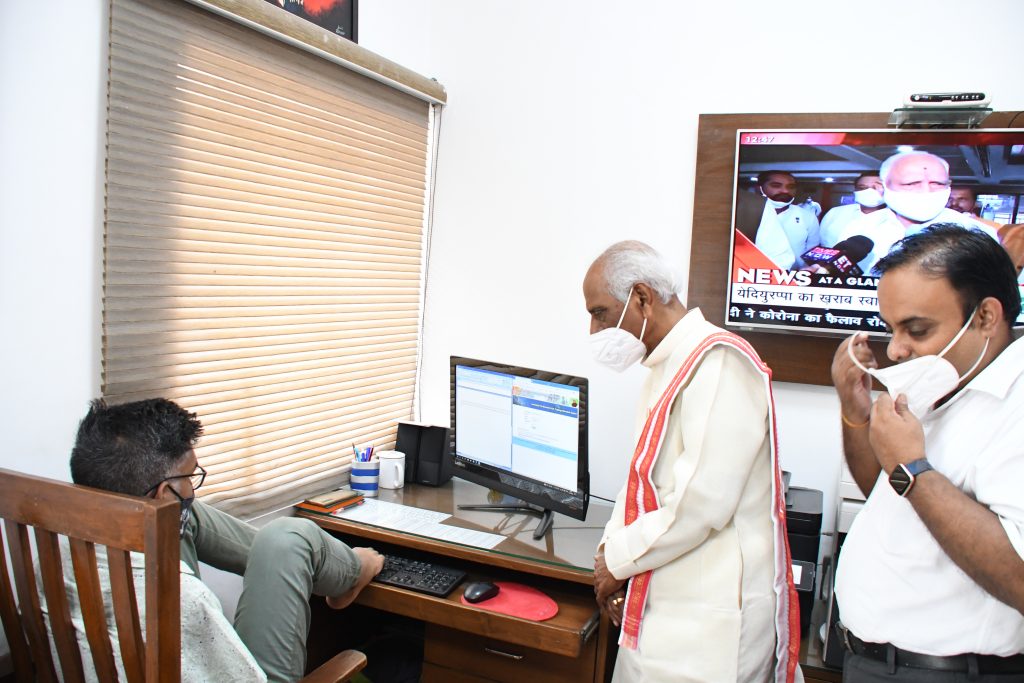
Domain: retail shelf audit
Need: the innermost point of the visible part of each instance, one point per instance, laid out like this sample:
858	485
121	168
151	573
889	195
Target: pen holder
365	477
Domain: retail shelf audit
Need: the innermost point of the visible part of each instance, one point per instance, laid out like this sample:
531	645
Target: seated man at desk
696	531
145	448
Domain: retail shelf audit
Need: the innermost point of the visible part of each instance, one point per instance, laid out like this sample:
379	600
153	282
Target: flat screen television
826	287
521	432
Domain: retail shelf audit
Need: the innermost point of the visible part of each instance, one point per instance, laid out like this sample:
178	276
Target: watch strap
919	466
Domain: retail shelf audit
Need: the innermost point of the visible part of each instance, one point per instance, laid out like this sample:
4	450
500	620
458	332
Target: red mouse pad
518	600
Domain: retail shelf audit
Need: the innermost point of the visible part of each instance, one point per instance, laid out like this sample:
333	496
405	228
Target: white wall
571	125
52	118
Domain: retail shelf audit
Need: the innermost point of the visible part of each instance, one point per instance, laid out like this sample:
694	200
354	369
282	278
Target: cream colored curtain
263	249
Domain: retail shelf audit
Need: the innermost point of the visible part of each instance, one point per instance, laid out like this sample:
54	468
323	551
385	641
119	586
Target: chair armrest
340	667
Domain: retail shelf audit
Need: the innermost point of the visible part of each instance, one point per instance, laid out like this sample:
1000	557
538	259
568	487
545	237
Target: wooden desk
466	643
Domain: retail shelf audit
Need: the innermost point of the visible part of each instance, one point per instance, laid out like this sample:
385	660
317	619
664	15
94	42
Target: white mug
392	469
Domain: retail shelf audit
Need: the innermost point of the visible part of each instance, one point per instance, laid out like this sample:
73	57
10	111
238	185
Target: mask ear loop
849	352
954	340
976	363
622	316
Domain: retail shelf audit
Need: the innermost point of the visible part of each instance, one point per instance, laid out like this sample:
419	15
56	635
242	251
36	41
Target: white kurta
711	607
785	237
835	220
884	229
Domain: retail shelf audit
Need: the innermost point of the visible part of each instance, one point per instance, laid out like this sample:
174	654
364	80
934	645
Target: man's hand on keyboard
371	562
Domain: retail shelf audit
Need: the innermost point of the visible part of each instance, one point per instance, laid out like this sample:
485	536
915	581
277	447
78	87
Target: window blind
263	252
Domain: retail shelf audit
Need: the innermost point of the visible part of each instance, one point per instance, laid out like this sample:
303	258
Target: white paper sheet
416	521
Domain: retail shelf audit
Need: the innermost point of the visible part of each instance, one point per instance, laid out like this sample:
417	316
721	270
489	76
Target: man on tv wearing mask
694	561
145	448
867	199
785	231
915	191
930	583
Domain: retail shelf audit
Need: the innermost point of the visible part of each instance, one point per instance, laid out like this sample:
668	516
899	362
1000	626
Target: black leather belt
965	663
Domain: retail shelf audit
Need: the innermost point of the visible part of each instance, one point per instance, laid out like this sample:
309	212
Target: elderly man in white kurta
709	597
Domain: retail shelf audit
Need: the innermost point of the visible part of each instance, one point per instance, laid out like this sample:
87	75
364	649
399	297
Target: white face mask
917	206
616	348
869	197
923	380
776	205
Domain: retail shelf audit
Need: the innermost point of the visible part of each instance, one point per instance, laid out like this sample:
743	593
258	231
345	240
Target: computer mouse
480	590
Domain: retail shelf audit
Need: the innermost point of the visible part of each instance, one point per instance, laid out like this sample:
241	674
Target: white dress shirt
885	229
894	583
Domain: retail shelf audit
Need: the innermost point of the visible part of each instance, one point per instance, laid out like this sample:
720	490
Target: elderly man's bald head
626	263
899	164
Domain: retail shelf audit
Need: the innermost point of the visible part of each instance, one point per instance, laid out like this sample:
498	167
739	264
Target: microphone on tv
843	257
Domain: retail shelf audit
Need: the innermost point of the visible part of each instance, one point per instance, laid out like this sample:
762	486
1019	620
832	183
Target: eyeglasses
197	478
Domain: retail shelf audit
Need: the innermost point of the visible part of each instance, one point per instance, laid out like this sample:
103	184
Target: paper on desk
389	515
454	534
417	521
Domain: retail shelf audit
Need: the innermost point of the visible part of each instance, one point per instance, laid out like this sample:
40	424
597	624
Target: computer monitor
521	432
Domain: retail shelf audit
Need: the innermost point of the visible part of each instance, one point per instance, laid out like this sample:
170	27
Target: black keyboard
417	575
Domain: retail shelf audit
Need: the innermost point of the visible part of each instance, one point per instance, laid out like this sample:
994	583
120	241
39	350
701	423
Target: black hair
973	189
131	447
975	265
867	174
763	176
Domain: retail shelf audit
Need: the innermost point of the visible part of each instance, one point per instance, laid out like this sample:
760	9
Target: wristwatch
902	477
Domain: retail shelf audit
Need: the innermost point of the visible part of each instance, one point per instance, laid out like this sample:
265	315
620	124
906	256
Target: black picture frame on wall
337	16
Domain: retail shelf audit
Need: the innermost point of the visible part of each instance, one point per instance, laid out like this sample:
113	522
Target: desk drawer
477	657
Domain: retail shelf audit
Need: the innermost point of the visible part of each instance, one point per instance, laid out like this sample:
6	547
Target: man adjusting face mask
925	379
617	348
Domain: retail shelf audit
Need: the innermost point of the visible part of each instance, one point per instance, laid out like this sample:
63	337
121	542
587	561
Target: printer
803	529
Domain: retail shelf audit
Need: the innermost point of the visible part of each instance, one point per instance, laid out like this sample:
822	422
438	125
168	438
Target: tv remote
948	99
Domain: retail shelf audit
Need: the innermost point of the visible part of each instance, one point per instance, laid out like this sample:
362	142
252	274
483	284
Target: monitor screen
522	432
808	226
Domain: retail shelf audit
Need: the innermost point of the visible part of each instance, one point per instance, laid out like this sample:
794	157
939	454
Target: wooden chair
123	524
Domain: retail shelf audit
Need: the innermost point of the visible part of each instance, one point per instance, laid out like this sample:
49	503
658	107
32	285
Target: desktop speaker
427	457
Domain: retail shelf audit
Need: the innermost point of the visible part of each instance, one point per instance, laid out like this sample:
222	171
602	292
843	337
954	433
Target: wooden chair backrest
88	517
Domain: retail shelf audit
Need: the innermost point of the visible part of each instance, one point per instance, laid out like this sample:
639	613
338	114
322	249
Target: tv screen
522	432
810	219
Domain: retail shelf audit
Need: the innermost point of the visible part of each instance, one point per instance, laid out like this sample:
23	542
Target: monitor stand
547	517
